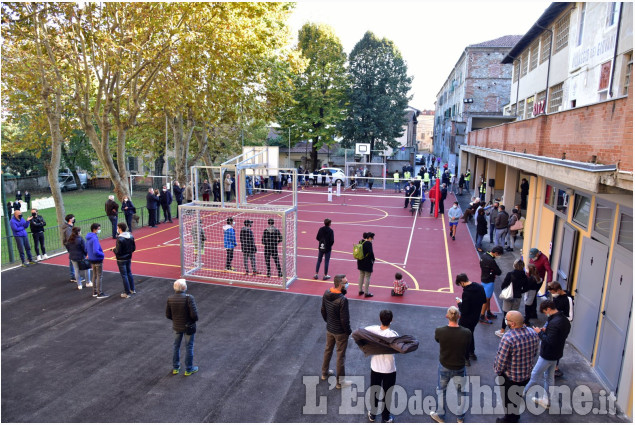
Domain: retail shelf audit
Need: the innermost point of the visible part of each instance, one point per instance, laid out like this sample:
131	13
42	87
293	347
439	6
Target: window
625	234
612	11
550	196
562	203
603	221
533	56
529	107
523	63
545	42
582	210
605	76
521	110
512	109
132	163
581	26
516	70
561	33
627	73
555	98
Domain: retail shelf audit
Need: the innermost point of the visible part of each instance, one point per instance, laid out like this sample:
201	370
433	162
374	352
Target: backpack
358	250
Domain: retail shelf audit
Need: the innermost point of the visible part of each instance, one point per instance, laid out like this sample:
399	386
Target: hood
90	236
332	296
125	235
227	227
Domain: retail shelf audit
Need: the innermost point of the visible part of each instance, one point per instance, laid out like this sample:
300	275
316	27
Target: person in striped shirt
514	362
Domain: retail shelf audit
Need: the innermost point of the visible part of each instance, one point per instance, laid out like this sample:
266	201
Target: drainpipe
548	65
617	38
520	66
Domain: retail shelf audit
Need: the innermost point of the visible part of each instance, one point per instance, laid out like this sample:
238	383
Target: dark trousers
216	196
38	239
341	340
177	207
268	256
327	258
515	389
431	207
492	226
523	202
113	220
129	221
152	217
206	197
441	207
229	258
228	196
23	243
126	276
167	214
530	310
471	347
387	382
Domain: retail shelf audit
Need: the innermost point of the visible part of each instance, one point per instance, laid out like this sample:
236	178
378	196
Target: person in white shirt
383	372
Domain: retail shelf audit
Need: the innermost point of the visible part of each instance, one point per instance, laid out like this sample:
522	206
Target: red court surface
418	247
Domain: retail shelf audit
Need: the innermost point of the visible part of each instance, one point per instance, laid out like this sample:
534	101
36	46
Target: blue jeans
71	268
479	241
189	351
492	227
126	275
327	258
113	220
544	369
397	187
23	243
445	375
500	236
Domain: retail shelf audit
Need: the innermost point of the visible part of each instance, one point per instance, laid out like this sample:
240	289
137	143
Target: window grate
533	56
545	43
562	33
523	63
555	97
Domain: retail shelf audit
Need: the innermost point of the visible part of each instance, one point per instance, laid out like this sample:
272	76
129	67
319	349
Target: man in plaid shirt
514	362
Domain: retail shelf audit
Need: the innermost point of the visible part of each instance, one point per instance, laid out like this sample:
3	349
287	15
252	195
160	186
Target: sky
431	35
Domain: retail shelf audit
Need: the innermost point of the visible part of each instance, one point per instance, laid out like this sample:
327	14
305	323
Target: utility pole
7	226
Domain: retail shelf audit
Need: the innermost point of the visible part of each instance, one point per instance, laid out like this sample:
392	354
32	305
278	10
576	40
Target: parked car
67	181
336	173
419	159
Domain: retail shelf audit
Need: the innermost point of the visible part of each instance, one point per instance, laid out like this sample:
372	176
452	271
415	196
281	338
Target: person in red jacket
541	262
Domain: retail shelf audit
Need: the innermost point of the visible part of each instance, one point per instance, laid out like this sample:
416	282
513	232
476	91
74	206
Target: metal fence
52	240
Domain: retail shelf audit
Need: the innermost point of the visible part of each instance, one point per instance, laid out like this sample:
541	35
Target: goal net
363	172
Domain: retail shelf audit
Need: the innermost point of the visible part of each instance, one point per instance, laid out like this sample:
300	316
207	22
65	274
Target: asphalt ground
68	357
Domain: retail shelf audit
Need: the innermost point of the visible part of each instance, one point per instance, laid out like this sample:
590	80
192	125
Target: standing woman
228	187
518	279
461	183
365	265
481	229
534	282
128	211
77	252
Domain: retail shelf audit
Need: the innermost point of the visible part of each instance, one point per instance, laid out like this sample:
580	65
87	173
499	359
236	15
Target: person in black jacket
178	195
524	191
553	337
271	238
481	229
248	247
76	247
123	250
152	203
112	211
518	279
326	239
338	327
129	211
489	271
181	310
37	231
470	308
216	190
166	201
365	265
443	194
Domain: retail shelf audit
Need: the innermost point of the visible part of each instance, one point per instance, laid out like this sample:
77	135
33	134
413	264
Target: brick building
578	161
473	95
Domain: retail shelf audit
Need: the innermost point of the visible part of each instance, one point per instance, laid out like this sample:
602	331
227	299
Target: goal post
252	245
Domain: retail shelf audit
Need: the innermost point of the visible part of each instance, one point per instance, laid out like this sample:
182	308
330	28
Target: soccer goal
253	246
361	169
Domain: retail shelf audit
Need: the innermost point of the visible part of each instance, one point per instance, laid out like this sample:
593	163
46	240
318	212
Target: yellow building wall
500	177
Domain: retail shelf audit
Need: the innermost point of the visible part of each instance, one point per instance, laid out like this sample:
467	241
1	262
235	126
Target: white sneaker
39	258
541	401
499	333
46	257
89	285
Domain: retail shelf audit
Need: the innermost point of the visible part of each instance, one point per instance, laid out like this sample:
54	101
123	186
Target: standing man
489	271
181	310
470	308
454	214
19	226
493	214
365	265
123	250
206	189
248	247
216	190
383	371
271	238
189	192
67	227
468	177
502	226
432	196
166	200
443	194
178	196
152	203
229	242
37	231
454	341
524	191
513	363
112	211
553	337
408	191
482	189
228	187
395	177
96	258
406	174
541	262
338	328
326	239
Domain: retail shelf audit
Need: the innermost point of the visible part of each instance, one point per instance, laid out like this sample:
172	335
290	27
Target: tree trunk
182	138
314	157
122	131
53	167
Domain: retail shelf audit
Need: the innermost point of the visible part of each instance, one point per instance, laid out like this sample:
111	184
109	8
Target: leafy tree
320	90
378	94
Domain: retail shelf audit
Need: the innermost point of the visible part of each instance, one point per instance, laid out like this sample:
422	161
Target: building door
616	315
568	247
588	295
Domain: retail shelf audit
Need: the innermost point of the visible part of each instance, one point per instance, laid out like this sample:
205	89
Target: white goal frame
351	167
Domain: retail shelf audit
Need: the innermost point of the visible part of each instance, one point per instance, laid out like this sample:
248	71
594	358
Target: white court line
412	232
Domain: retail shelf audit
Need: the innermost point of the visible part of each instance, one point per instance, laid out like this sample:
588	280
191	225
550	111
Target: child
399	286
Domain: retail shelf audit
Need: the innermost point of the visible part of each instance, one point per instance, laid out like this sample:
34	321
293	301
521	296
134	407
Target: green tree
320	90
378	94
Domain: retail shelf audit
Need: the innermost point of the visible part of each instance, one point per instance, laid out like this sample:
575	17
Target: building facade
473	95
577	155
425	131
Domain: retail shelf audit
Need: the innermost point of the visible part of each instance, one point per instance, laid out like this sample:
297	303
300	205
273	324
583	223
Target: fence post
7	226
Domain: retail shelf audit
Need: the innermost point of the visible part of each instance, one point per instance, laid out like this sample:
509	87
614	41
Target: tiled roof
504	41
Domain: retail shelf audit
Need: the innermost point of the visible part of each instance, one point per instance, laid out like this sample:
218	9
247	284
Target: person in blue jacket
128	211
19	226
229	241
96	258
